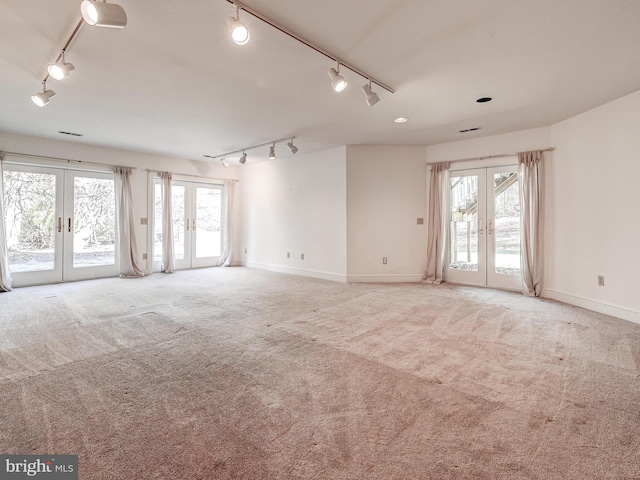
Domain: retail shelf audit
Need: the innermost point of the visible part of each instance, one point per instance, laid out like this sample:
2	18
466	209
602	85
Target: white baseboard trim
386	278
607	309
334	277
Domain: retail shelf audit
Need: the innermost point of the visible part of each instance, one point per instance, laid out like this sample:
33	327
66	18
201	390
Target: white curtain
437	221
5	275
129	266
168	256
226	257
529	174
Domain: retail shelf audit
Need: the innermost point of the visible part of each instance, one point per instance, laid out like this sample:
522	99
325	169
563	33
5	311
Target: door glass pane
208	221
157	222
507	223
463	247
94	222
177	199
29	212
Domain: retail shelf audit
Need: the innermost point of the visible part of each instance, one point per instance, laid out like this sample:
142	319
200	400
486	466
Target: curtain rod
44	157
550	149
149	170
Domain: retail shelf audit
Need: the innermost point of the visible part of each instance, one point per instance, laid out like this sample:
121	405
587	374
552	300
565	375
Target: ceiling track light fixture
371	97
240	34
43	97
338	82
243	158
103	14
59	70
313	46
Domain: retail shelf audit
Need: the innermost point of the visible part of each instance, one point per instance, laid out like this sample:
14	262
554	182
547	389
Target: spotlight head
60	70
103	14
337	81
239	32
42	98
243	158
371	96
272	152
224	162
292	147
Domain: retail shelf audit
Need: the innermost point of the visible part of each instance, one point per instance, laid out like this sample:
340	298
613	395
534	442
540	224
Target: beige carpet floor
239	373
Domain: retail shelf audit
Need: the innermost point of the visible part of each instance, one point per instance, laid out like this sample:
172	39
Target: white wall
296	204
386	194
595	216
141	161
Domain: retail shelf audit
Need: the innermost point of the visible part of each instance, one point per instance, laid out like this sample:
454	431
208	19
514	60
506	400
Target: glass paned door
60	224
484	227
197	224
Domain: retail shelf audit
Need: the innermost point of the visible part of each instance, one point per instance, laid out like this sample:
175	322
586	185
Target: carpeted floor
240	373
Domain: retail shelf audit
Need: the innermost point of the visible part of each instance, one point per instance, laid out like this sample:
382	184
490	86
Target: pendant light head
292	147
102	14
272	152
371	96
243	158
337	81
60	69
42	98
239	32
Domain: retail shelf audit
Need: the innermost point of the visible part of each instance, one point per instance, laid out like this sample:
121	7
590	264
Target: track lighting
43	97
239	32
371	96
102	14
243	158
224	162
60	69
292	147
272	152
337	81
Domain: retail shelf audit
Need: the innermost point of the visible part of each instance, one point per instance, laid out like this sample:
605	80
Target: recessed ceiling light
484	99
401	119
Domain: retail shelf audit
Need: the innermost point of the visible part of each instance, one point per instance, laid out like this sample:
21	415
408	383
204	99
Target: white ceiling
173	83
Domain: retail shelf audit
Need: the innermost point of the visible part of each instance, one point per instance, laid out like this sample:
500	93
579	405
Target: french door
484	227
60	224
197	224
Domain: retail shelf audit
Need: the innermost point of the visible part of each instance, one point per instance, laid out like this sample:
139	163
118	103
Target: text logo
44	467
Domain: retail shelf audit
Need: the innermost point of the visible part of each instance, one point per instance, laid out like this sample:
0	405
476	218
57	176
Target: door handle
193	224
187	224
490	227
480	226
59	224
69	225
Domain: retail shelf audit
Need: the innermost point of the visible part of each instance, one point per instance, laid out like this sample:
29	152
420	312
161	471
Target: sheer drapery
129	266
168	254
226	257
5	275
437	221
529	173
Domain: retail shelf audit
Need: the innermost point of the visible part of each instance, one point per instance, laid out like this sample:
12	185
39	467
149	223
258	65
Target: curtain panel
226	257
5	275
529	178
168	254
129	266
437	221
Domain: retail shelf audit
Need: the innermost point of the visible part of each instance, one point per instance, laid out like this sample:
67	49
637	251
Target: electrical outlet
302	256
384	260
144	256
288	254
144	221
420	221
245	249
601	280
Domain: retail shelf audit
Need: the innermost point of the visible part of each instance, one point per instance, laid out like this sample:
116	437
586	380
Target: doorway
60	224
484	227
197	224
